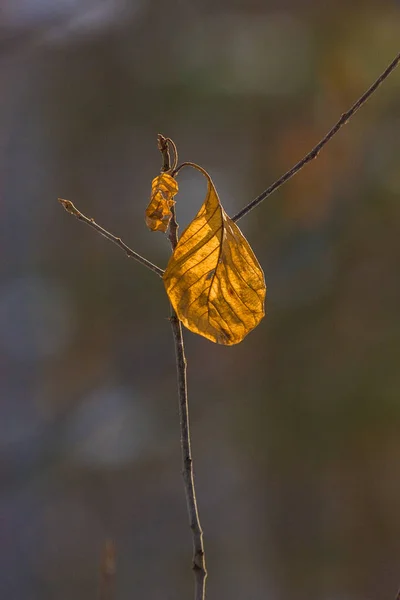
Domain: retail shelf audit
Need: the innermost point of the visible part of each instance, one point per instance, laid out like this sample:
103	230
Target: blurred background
295	431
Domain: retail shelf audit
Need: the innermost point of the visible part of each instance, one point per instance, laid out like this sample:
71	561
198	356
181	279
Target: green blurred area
295	431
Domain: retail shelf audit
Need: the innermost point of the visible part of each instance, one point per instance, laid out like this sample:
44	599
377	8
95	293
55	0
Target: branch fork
165	146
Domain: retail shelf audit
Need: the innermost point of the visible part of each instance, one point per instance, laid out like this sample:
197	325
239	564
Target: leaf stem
199	562
72	210
314	152
176	169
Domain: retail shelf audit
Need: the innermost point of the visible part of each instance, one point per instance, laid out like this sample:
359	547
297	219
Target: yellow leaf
213	279
158	213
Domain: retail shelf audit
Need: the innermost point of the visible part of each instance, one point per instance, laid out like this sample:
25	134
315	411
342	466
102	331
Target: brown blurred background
296	430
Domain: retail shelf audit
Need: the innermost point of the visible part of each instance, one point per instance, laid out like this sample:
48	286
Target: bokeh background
296	430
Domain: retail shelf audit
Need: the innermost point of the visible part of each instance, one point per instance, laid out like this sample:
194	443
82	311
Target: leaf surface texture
213	279
158	213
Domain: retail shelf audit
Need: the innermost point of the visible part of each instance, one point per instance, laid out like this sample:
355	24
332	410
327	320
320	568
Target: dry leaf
158	213
213	278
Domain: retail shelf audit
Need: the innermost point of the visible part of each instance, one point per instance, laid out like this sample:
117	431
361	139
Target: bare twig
164	149
164	146
199	563
72	210
314	152
107	571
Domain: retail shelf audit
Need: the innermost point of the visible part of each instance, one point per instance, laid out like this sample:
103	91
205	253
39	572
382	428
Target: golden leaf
213	279
158	213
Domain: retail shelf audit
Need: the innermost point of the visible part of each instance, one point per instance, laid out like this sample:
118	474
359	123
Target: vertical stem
199	563
163	147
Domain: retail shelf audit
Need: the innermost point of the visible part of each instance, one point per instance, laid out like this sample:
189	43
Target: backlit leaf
213	278
158	213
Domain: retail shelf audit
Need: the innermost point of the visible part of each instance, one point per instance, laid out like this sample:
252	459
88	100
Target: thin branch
164	146
314	152
164	149
199	562
72	210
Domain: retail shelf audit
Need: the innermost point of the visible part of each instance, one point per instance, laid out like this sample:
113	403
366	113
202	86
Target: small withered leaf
213	279
158	213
